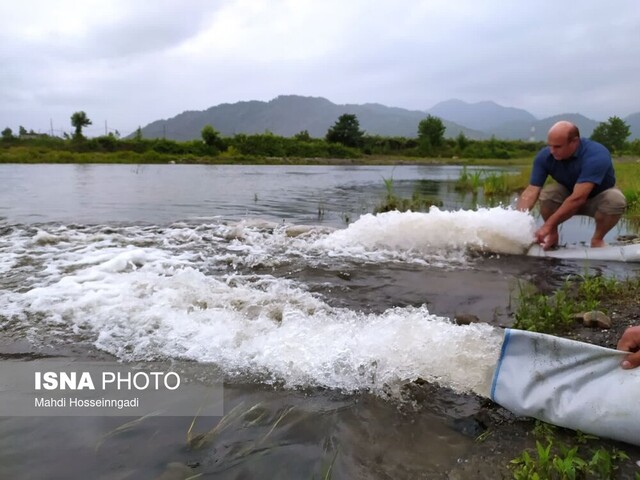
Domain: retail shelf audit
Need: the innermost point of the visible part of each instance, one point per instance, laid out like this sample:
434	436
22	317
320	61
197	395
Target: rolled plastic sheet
568	383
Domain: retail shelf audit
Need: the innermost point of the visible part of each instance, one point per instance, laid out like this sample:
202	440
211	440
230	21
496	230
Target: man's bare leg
604	223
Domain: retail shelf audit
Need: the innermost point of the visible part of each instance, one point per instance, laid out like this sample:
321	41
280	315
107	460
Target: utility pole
51	125
106	130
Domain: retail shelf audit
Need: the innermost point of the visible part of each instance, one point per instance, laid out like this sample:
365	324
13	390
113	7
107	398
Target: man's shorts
609	202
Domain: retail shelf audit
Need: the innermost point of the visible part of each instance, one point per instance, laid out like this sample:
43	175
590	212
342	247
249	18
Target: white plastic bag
568	383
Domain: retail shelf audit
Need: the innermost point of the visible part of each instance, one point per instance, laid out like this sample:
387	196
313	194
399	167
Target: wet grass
126	427
392	202
491	183
240	418
556	313
552	458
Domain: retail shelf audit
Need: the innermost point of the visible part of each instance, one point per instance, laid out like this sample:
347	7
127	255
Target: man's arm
528	198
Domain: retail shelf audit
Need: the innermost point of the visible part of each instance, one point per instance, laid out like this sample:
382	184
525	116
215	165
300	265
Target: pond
317	313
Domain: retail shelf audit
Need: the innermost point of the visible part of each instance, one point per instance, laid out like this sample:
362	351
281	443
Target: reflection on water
162	194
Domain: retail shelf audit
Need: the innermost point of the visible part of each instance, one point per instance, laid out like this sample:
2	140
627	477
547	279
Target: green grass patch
554	459
555	313
492	183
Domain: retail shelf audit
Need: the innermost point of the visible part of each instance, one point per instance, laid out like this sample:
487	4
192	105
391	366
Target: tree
22	131
303	136
79	120
211	137
431	131
612	134
346	131
137	136
7	134
462	142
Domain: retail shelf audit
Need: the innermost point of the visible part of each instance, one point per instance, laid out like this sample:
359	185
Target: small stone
465	319
344	275
596	319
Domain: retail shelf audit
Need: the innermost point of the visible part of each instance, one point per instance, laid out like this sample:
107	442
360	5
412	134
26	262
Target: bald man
585	182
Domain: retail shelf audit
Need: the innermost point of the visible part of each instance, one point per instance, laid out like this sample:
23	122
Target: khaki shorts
609	202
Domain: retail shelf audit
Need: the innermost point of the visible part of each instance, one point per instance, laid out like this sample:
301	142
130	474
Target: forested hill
287	115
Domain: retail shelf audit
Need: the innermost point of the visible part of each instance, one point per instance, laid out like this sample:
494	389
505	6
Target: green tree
303	136
79	120
22	131
211	137
137	136
7	134
431	131
612	134
346	131
462	142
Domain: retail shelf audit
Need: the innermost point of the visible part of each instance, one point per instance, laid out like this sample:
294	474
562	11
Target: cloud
133	62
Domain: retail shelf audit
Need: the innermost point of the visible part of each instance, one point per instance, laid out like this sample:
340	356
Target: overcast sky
128	63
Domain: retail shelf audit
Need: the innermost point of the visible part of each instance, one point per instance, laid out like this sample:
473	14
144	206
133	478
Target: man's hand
630	342
547	236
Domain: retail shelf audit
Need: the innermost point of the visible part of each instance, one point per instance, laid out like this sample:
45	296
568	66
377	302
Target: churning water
277	276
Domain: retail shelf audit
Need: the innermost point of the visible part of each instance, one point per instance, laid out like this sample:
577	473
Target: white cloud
133	62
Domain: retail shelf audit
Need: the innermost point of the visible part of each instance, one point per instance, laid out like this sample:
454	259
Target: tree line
344	139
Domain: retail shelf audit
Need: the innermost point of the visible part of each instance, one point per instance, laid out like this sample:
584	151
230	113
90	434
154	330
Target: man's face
561	147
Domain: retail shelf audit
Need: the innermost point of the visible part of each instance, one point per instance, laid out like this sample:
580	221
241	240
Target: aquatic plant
468	181
416	203
496	183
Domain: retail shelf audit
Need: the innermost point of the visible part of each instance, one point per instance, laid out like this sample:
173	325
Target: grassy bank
29	154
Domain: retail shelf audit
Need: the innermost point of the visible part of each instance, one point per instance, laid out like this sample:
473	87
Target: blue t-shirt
591	162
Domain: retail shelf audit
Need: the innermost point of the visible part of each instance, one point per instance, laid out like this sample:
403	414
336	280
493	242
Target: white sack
568	383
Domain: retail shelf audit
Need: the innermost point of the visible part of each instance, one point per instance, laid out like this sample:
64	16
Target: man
585	184
630	342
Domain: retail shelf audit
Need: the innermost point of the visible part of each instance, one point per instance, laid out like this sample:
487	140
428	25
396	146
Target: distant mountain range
287	115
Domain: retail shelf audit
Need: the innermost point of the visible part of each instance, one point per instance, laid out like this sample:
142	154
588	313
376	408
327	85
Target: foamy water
204	292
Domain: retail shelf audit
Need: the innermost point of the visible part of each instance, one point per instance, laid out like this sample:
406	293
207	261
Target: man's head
563	140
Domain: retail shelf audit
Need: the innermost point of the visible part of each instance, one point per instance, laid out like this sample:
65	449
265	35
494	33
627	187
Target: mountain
506	122
287	115
536	130
483	116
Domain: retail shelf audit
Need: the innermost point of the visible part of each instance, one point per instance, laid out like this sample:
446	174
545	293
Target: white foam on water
494	230
192	292
437	238
139	306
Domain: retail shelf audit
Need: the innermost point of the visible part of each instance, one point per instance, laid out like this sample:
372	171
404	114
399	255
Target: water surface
316	311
